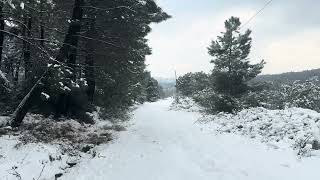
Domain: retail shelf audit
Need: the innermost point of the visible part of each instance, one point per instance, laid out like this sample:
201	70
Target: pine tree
232	70
79	53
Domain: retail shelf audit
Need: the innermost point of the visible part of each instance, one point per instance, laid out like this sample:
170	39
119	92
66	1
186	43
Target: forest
64	58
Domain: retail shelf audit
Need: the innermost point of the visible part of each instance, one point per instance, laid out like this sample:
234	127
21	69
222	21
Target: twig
44	165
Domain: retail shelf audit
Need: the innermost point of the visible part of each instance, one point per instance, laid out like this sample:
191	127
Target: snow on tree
232	69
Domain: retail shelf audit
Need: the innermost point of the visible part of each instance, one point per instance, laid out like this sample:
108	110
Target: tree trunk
26	103
42	35
27	46
89	69
2	31
66	51
41	24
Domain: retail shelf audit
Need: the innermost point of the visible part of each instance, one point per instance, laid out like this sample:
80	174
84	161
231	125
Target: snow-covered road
168	145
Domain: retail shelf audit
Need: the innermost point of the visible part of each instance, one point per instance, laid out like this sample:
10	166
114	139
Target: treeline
303	94
63	58
233	84
288	77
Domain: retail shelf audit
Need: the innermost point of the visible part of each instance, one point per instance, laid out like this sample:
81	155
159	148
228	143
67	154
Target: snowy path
167	145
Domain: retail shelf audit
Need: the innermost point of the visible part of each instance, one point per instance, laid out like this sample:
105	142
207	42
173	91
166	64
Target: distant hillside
289	76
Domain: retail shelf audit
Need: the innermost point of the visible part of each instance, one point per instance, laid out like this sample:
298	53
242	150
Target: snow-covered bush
298	94
204	97
296	126
63	94
214	102
270	99
185	104
192	83
304	95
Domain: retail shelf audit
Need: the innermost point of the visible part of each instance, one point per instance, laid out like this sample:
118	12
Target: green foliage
232	70
109	54
121	76
303	94
152	89
192	83
64	94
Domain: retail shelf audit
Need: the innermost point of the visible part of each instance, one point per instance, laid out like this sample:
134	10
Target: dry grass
68	133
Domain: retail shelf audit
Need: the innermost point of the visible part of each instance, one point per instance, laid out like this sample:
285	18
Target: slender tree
232	69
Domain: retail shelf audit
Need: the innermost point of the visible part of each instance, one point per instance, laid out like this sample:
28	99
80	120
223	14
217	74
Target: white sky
286	34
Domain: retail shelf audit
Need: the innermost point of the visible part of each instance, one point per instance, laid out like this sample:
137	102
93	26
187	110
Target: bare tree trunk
2	31
26	103
16	73
41	24
89	61
27	46
42	35
68	50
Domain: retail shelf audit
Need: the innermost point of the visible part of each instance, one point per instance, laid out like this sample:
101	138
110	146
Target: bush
298	94
215	103
192	83
63	95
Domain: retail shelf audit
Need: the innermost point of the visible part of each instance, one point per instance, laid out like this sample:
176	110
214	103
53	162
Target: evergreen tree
65	57
192	83
232	70
152	88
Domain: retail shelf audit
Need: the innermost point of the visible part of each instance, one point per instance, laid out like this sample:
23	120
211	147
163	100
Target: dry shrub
115	127
67	132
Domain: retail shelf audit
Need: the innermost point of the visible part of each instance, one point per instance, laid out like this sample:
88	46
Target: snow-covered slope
294	127
32	161
169	145
43	149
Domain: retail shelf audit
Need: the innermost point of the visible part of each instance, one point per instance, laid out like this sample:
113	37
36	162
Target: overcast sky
286	34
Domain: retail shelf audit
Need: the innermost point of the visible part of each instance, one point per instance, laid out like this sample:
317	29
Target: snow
22	5
167	143
171	145
290	127
66	88
27	161
3	76
185	104
43	161
142	2
45	95
3	120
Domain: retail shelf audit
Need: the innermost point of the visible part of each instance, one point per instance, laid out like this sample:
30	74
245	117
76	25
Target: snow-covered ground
43	149
295	128
166	144
32	161
163	144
